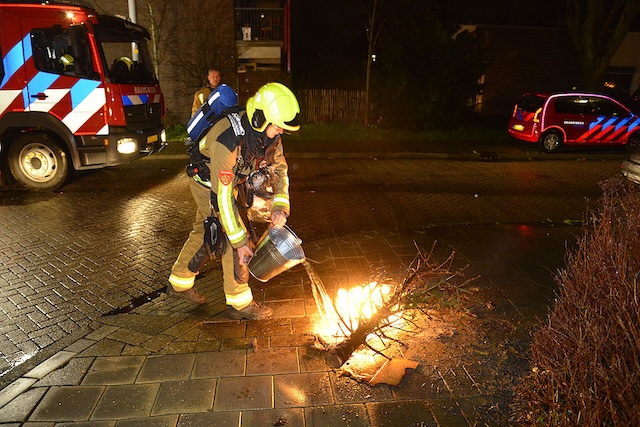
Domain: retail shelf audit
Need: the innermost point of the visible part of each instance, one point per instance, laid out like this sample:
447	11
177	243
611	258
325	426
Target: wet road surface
110	236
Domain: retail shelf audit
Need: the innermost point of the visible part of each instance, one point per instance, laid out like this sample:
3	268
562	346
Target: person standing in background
213	78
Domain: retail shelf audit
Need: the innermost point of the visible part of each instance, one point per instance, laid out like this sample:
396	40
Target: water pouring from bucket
278	250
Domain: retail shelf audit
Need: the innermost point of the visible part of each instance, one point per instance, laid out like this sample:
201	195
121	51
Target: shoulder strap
238	130
235	120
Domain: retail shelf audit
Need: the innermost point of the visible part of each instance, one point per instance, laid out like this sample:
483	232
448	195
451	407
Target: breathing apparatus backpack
197	166
220	99
221	102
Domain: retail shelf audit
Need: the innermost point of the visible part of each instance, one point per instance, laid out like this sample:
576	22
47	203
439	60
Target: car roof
538	94
609	90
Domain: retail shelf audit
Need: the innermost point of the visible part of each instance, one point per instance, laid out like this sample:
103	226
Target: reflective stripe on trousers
181	277
181	284
237	294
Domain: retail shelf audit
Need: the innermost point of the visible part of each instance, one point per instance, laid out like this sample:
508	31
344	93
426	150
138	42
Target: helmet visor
293	124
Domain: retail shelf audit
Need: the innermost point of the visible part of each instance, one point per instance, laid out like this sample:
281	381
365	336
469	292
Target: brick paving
70	259
164	363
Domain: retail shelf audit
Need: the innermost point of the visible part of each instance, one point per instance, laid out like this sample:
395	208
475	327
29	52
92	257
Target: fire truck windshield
125	53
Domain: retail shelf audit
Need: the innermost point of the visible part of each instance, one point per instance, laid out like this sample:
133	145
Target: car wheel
38	162
634	142
551	141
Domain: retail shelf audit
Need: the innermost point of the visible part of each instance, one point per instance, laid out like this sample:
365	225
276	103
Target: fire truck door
61	86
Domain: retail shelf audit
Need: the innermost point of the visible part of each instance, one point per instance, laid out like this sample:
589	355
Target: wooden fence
331	105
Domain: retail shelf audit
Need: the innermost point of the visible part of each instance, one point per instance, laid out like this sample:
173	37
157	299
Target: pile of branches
426	284
586	356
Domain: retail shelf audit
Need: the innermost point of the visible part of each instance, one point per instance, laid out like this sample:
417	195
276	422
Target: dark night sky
326	34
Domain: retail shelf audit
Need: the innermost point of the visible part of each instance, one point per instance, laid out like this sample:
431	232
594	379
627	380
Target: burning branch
380	311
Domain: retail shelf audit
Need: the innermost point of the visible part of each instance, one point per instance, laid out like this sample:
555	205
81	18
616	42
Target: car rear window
531	103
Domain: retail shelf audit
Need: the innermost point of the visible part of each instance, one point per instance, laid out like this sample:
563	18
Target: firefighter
213	78
125	63
67	61
121	69
234	149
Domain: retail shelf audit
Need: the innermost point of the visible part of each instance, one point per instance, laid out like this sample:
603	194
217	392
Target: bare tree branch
373	30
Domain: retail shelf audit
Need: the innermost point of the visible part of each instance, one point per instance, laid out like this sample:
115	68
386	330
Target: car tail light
536	116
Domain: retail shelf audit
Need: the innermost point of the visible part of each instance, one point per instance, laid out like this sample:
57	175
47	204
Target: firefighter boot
190	295
253	311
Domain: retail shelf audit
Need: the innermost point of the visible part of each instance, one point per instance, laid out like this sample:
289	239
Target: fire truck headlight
127	145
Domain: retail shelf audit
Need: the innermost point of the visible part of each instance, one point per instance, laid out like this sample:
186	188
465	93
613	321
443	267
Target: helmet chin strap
264	141
255	147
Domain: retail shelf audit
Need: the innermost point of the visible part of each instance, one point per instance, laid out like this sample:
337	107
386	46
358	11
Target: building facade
246	40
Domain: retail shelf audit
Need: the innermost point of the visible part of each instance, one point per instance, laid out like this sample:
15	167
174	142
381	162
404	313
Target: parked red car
573	118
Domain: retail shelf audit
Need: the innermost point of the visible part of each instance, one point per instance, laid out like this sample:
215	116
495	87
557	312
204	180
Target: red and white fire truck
77	91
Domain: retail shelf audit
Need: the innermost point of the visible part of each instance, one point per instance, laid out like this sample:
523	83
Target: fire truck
77	91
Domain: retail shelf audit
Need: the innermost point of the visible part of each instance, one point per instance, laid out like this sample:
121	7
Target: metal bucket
278	250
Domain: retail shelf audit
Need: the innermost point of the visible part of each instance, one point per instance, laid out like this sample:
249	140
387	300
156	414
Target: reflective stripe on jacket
221	146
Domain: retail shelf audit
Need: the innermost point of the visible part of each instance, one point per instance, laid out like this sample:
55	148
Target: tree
427	71
188	37
155	15
373	10
597	28
158	13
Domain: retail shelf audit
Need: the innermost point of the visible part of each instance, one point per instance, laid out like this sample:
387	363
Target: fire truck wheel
38	162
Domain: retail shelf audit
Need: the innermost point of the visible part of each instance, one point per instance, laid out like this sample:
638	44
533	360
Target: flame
350	309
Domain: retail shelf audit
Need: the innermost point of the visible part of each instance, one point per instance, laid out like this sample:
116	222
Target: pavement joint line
102	332
80	345
24	383
15	389
51	364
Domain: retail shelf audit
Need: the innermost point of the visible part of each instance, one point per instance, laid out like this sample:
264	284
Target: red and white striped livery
77	91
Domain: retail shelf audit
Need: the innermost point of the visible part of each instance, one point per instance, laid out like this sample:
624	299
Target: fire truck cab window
53	52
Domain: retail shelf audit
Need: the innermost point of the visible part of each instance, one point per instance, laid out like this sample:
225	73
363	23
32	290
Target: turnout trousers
235	276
